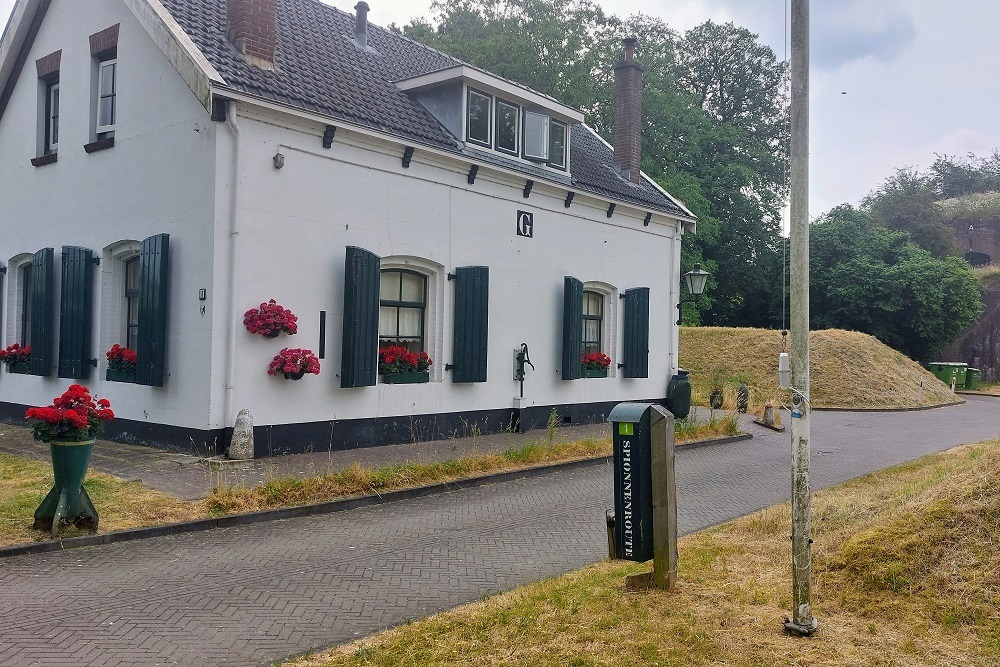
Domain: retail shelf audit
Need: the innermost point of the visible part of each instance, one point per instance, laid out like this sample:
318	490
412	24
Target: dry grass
848	369
120	504
906	574
357	480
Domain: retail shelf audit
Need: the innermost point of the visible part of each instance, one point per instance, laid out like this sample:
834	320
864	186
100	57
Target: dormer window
480	106
508	117
557	144
536	136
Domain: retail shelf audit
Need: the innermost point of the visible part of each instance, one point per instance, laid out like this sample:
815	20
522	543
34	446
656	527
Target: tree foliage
868	278
907	202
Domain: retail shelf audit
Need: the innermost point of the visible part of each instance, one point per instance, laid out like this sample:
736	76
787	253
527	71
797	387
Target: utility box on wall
633	481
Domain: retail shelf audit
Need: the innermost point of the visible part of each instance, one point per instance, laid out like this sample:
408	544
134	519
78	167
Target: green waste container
972	379
946	370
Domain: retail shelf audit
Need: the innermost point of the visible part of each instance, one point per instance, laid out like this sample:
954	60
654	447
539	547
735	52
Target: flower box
595	372
21	367
411	377
116	375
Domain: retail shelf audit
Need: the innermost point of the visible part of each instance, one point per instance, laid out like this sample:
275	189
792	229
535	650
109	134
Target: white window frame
52	117
101	65
470	91
517	127
543	120
433	309
609	328
114	317
15	295
564	166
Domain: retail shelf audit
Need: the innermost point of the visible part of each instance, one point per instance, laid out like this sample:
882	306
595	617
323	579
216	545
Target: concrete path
255	594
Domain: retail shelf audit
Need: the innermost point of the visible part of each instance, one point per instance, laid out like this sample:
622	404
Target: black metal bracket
645	223
219	108
96	260
93	362
473	170
569	199
448	367
328	135
527	188
407	156
3	269
620	365
452	276
611	210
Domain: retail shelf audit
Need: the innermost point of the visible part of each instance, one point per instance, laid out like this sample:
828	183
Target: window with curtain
593	322
131	303
402	304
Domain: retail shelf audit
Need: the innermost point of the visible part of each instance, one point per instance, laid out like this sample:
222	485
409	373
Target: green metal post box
633	481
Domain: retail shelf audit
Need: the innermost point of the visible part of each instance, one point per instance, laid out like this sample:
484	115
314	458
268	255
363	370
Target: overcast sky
894	81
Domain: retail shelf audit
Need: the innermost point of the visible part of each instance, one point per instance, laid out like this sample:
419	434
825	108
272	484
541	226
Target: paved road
251	595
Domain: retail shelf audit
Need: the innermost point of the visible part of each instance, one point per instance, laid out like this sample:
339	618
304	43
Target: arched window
131	302
593	322
402	309
27	299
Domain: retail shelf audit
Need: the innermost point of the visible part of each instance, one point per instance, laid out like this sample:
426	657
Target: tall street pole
802	621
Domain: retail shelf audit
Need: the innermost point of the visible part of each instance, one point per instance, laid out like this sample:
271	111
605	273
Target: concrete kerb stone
339	505
920	408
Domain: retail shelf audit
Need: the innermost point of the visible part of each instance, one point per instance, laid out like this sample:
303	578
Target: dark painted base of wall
282	439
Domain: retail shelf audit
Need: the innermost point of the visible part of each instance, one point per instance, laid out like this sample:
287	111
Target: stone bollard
241	446
769	415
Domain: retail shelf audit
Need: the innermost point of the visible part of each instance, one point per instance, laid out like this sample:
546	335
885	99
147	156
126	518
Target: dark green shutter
43	295
151	337
572	353
472	295
359	358
76	301
637	333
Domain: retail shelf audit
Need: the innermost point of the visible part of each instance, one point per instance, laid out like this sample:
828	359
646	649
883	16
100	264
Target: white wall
159	178
296	222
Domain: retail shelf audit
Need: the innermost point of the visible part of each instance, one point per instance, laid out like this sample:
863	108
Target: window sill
102	145
44	160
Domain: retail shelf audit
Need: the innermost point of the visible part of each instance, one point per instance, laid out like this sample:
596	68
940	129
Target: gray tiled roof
320	69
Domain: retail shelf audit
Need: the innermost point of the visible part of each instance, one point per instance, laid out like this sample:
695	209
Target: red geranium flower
270	318
397	359
73	417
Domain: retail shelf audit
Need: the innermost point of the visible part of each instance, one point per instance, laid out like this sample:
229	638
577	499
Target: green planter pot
68	501
20	368
416	377
295	376
115	375
595	372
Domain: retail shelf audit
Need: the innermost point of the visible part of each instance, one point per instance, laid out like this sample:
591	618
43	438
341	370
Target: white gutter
234	236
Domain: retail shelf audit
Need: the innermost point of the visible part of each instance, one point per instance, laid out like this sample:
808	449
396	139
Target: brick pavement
254	594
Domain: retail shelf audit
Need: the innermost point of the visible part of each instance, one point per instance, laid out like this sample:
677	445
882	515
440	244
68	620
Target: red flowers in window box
294	363
397	359
270	319
15	354
596	361
73	417
122	359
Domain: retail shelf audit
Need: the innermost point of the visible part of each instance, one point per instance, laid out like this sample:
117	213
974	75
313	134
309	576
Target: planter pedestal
68	500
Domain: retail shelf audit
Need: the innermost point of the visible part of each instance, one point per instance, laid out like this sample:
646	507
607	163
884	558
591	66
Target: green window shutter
154	280
43	294
637	333
572	353
359	357
76	300
472	295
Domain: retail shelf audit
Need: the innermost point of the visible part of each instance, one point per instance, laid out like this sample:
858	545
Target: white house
166	165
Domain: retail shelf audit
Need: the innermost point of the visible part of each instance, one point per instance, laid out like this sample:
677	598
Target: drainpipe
234	236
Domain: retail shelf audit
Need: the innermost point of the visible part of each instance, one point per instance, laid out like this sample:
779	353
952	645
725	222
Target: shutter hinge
452	276
621	296
611	210
3	269
527	188
93	362
621	365
449	367
96	261
328	136
407	156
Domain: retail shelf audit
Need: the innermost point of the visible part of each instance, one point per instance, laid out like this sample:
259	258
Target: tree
865	277
906	202
954	177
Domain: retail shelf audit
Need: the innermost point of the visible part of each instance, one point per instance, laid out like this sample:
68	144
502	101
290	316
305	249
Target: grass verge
122	504
905	574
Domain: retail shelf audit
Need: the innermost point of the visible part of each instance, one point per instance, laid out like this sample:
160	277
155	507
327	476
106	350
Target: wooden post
661	427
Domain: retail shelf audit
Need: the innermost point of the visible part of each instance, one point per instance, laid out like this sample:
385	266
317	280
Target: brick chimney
251	28
628	114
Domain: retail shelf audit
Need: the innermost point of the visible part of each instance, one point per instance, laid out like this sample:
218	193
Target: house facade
166	166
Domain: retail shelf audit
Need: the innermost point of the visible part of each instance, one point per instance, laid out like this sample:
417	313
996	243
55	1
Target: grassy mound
848	369
905	575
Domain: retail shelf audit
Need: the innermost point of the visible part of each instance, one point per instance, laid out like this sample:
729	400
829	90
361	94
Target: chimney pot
361	24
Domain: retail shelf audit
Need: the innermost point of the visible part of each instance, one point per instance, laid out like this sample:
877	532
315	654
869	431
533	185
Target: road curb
914	409
329	507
